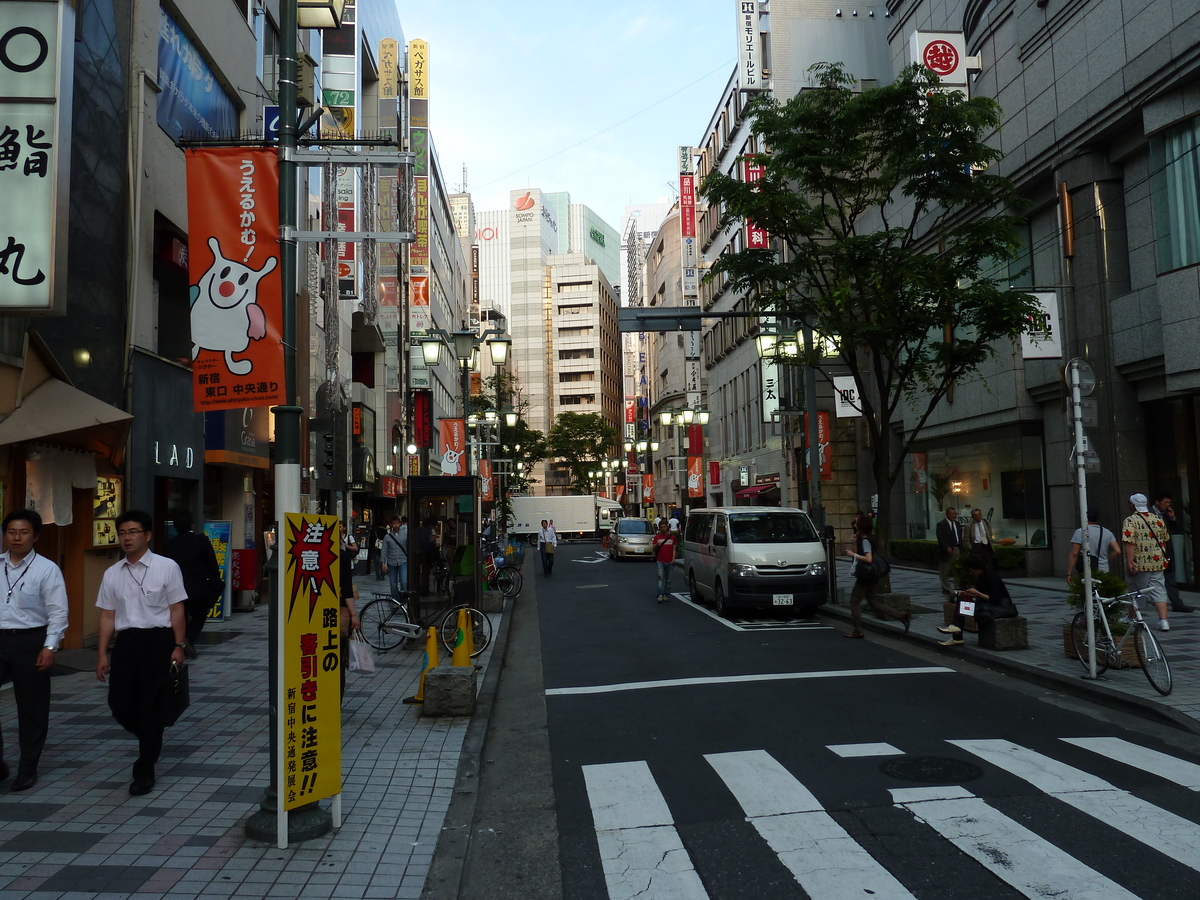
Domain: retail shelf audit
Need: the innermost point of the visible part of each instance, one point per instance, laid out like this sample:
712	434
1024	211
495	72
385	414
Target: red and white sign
630	410
420	318
453	433
714	473
826	462
756	237
695	476
487	482
632	468
944	53
422	402
647	489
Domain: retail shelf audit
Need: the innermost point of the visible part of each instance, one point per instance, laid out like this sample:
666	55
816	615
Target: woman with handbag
866	580
991	597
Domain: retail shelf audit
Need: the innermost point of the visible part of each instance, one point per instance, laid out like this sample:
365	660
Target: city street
692	759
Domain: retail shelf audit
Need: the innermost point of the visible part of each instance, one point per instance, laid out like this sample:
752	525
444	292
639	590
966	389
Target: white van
755	556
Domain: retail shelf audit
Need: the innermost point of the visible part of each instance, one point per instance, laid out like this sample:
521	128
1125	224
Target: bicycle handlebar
1120	598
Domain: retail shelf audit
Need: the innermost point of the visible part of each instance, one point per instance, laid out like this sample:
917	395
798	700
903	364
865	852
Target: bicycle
508	580
1108	654
386	622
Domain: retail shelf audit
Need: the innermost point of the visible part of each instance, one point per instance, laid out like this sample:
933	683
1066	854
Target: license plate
781	599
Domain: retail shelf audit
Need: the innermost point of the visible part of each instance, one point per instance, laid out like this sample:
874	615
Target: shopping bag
361	659
174	695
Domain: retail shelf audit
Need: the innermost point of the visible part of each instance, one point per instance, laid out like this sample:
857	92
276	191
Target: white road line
825	861
640	849
850	751
684	598
1163	765
738	679
1153	826
1009	850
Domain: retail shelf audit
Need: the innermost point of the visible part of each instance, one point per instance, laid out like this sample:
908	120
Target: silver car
631	538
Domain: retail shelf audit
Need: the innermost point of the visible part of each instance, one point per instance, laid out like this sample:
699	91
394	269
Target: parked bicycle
387	622
1108	653
497	575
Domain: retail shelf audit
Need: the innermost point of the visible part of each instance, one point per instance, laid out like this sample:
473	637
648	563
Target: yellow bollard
462	650
431	661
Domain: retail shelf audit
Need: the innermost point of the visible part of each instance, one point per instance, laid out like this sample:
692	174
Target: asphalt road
688	758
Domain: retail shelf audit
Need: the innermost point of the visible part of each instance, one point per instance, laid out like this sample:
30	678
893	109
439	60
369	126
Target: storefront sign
845	394
769	375
218	534
714	473
308	692
238	437
487	491
648	489
37	53
191	102
1043	340
422	419
418	70
237	306
826	462
453	434
243	570
389	69
749	51
756	237
695	479
943	53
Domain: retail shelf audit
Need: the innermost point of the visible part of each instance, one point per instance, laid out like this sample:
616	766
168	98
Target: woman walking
865	588
664	546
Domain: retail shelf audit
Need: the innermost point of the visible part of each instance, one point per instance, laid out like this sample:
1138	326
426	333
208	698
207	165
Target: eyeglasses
12	532
131	532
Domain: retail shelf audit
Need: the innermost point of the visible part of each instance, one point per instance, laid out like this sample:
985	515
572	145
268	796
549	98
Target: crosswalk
644	855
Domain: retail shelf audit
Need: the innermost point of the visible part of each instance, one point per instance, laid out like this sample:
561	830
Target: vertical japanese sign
218	534
630	418
233	264
648	489
308	691
418	70
453	433
486	489
826	462
695	476
756	237
714	473
749	50
420	317
422	404
769	373
389	69
689	251
36	67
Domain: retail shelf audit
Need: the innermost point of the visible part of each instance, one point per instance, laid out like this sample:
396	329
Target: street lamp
510	419
465	343
319	14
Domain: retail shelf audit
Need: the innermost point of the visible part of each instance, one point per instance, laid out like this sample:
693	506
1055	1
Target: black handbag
174	696
990	610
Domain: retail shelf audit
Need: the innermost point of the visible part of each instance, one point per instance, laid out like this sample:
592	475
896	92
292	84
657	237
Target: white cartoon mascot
450	458
225	316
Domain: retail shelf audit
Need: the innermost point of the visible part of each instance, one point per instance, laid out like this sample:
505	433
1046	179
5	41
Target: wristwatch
181	646
51	649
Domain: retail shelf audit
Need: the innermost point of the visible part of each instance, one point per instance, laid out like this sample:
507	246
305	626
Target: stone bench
1005	634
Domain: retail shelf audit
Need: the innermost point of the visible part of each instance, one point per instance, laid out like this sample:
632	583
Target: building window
1175	164
585	353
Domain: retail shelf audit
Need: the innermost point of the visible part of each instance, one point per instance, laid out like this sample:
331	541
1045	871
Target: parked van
755	556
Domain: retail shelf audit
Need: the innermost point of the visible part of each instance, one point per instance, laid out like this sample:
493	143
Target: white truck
575	516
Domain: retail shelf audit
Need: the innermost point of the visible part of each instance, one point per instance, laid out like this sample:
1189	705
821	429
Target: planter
1128	651
950	609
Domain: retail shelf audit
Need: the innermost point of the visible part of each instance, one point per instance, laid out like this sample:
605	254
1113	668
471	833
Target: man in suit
950	540
979	537
201	574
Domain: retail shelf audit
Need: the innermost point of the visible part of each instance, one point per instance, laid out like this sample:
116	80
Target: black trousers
196	612
18	657
139	665
547	559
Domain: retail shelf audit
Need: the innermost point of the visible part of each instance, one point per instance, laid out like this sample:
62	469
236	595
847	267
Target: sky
589	98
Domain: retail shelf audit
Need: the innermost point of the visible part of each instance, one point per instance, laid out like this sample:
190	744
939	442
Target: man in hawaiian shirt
1145	536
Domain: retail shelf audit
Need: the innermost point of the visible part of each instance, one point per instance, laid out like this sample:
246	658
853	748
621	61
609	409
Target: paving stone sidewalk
1043	602
79	834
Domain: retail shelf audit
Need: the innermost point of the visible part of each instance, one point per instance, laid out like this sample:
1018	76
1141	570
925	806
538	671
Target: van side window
698	528
720	525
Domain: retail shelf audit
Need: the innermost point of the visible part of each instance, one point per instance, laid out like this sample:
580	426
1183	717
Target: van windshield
634	526
771	528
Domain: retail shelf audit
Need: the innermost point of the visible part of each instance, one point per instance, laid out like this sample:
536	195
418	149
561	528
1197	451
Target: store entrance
1171	454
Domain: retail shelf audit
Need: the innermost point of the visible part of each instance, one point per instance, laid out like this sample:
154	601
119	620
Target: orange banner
620	493
647	489
454	446
487	492
233	264
695	476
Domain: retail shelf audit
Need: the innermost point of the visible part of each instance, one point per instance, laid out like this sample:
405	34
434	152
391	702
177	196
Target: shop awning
56	408
755	490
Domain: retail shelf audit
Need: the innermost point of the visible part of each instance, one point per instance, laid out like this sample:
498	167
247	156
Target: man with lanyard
31	628
395	555
547	545
141	600
1145	556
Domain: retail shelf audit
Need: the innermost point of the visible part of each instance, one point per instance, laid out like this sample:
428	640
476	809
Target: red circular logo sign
940	57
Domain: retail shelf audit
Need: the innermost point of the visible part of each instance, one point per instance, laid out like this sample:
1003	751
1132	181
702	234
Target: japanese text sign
695	478
647	489
749	49
309	689
35	154
418	70
486	490
236	292
453	433
825	460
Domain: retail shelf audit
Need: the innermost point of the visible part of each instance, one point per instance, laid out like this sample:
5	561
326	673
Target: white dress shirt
142	592
980	533
36	596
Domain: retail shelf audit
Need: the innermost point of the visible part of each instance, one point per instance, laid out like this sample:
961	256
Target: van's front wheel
719	604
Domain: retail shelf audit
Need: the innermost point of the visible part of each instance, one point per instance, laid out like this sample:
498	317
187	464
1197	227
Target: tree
891	240
581	440
517	443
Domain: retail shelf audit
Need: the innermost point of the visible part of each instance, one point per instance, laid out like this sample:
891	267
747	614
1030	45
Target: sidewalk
1043	602
78	831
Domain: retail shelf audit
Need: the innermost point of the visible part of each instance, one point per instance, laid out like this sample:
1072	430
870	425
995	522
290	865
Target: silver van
755	556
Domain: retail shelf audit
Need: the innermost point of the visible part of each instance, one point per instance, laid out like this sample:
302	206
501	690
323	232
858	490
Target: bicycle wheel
507	582
1153	660
480	624
374	619
1079	640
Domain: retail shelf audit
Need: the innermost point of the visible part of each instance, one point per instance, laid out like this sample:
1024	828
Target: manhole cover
931	769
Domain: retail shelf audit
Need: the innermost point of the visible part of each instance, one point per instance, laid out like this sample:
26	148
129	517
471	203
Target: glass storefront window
1004	478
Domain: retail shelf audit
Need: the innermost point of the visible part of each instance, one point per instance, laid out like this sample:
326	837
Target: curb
1075	687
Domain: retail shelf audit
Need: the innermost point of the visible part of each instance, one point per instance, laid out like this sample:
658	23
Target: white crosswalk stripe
1012	852
1163	765
1151	825
640	850
826	861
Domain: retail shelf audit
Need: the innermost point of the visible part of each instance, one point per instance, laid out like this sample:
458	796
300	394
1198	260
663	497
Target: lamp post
682	417
465	343
649	448
782	349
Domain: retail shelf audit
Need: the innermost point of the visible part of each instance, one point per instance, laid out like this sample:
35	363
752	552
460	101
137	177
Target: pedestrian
992	600
673	523
866	587
347	611
395	555
201	575
1166	511
32	623
949	538
547	546
1145	538
664	547
979	536
141	602
1103	548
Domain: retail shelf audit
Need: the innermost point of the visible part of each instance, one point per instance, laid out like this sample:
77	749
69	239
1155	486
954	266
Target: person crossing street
664	547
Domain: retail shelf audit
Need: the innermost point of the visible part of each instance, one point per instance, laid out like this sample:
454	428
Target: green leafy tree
888	233
517	443
581	440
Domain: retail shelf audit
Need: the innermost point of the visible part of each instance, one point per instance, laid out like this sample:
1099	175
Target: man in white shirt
547	546
32	623
979	534
141	600
1102	546
673	523
395	555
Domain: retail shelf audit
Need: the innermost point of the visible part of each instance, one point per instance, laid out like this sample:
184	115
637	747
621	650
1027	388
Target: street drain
931	769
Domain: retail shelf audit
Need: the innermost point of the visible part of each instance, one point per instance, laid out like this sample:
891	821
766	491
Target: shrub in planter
1106	584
